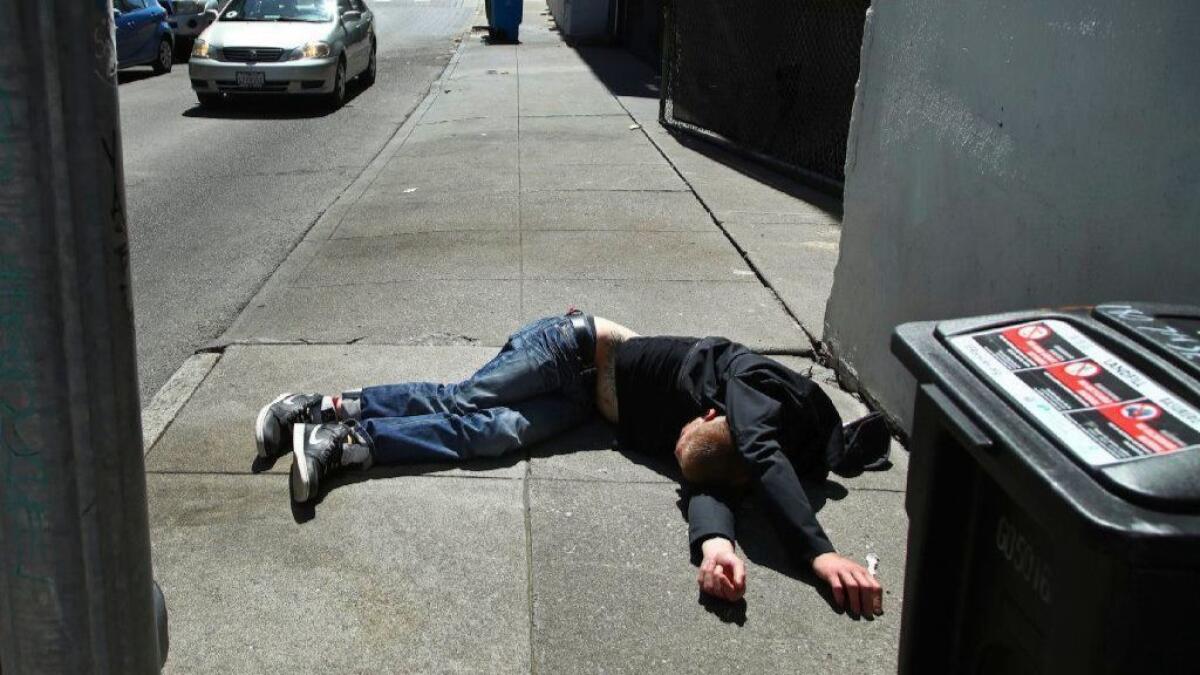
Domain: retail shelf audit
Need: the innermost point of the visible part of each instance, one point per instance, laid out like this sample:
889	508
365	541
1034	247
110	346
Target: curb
162	409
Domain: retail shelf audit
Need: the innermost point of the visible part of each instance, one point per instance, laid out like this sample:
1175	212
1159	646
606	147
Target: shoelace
330	437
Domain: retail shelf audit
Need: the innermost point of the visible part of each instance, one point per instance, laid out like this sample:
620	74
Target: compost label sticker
1097	405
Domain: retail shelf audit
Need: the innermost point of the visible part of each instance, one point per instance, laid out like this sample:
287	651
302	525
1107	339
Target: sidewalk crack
526	487
520	212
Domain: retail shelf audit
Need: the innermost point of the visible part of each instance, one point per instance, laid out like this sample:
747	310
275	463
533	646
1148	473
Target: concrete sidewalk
534	177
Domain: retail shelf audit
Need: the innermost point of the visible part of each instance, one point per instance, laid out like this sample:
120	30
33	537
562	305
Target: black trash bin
1054	492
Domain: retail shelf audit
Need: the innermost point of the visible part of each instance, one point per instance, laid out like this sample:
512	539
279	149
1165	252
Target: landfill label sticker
1078	384
1097	405
1127	430
1028	345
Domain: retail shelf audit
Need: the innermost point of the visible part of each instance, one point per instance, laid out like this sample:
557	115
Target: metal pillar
75	579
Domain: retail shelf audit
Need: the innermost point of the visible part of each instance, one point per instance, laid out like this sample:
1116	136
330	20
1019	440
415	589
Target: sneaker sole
260	427
301	480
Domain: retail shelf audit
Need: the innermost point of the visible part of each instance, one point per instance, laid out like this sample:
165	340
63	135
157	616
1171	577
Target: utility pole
76	591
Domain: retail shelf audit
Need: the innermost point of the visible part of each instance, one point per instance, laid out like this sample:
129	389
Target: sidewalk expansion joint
604	190
213	348
526	482
595	190
601	481
211	472
445	341
569	115
538	230
806	352
221	347
452	121
891	491
280	475
413	280
521	237
529	592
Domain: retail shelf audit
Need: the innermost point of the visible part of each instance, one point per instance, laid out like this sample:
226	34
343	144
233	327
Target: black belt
585	337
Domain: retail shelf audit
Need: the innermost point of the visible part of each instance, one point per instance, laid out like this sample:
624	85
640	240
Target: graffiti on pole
104	37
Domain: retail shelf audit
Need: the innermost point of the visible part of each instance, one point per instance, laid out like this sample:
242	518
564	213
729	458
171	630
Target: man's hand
850	582
722	572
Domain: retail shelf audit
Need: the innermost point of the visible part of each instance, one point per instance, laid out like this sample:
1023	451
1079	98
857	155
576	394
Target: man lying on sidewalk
731	417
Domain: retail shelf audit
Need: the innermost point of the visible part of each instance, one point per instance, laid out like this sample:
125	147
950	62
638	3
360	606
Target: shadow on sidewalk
625	76
759	172
756	536
620	72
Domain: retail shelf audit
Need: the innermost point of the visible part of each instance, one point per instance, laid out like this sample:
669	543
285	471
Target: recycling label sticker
1097	405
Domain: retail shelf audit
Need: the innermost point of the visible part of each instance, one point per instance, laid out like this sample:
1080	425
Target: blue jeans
535	388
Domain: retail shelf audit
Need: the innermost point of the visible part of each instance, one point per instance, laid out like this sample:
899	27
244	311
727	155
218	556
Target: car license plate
251	80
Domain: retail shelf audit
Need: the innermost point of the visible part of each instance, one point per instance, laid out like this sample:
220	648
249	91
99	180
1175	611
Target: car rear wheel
337	97
208	100
166	57
368	75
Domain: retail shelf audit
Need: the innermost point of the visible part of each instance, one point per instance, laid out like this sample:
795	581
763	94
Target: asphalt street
217	199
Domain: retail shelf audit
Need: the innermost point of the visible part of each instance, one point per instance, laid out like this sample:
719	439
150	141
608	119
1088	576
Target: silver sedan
310	47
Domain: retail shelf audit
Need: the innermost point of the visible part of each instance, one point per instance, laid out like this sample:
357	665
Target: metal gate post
76	593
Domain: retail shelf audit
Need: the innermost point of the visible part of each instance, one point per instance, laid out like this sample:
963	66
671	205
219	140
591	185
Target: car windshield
317	11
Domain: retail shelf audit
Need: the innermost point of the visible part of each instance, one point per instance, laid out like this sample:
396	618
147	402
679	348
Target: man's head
706	454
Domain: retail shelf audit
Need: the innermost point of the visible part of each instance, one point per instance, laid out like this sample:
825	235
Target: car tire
337	97
208	100
165	59
368	76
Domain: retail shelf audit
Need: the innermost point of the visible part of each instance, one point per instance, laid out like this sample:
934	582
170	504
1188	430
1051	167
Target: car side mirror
352	15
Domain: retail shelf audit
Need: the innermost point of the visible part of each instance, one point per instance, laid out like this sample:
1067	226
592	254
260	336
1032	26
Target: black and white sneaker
320	450
273	428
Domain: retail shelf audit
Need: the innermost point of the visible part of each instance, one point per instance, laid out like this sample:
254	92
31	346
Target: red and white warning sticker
1099	407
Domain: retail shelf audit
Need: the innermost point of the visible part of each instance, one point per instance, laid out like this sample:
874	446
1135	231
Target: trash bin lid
1133	433
1171	331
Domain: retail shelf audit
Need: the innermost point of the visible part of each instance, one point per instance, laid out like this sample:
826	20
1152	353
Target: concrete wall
1014	155
581	19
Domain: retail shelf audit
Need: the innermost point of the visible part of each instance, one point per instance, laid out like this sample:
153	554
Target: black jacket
781	422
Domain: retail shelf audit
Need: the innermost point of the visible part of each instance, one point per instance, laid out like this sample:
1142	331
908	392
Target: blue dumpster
504	19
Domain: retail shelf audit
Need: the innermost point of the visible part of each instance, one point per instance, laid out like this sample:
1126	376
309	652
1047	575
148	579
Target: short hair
709	458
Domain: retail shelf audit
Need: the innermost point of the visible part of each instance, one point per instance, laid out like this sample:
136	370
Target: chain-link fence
771	78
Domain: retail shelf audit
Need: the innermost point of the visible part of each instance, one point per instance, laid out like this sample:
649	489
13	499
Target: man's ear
710	415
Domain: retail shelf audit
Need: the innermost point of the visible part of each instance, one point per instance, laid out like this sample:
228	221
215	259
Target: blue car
143	34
